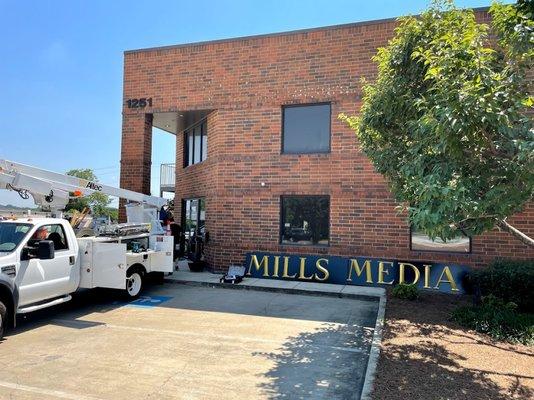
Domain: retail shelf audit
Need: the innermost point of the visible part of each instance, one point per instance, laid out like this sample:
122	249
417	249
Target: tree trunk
505	226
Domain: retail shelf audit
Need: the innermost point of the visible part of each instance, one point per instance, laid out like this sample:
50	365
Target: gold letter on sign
415	271
324	270
276	263
264	263
286	267
356	267
427	276
302	269
446	271
382	272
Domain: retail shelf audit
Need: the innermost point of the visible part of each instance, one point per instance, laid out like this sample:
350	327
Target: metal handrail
167	177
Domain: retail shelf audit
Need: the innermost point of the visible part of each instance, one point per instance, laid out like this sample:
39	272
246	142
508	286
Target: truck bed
105	260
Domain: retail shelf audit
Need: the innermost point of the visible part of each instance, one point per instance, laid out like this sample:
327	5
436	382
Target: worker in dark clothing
163	215
176	233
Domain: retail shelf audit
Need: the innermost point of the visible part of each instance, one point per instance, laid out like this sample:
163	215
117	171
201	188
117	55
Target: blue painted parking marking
149	301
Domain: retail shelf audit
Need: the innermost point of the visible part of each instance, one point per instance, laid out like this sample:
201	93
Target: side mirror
45	250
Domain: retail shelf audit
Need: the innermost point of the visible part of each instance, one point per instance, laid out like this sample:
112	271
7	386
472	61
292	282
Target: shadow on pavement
82	303
307	366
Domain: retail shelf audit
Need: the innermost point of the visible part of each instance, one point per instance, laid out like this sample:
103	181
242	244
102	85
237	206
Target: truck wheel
3	319
134	283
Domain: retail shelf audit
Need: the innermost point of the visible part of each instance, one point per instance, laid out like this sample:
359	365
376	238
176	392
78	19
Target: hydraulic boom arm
52	190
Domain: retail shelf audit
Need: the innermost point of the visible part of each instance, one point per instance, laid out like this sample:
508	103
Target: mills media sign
363	271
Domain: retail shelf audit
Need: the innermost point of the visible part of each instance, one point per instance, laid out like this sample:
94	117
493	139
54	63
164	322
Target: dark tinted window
305	220
306	129
195	144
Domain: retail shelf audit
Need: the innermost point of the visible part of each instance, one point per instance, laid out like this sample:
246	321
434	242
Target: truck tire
134	283
3	319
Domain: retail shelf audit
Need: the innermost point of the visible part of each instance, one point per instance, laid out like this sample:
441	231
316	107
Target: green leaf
445	119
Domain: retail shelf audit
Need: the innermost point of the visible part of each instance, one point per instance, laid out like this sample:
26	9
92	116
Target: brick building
263	163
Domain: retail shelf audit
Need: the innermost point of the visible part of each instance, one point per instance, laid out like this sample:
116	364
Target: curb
240	286
374	352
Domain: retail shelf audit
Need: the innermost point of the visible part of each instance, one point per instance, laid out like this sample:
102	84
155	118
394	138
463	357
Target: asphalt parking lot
185	342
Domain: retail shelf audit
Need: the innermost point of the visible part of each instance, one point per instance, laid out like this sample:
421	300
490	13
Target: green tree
447	122
97	202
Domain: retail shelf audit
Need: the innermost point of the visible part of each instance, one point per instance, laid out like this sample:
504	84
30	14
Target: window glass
194	216
421	242
189	144
204	142
198	145
11	235
306	129
201	215
305	220
195	144
54	232
190	217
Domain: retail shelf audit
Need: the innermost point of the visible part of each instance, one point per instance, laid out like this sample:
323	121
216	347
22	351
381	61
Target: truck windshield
11	234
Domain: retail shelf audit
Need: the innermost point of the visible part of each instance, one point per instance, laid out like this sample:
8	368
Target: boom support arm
50	189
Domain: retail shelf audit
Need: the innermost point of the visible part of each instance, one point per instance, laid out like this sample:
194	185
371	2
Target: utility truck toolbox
44	261
102	264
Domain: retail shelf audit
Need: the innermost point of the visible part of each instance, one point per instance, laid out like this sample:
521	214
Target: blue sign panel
149	301
366	271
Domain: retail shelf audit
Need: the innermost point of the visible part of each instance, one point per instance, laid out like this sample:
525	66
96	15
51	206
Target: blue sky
61	66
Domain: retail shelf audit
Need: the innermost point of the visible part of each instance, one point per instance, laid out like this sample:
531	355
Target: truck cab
42	256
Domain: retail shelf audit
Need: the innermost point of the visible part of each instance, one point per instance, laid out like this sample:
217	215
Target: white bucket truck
42	261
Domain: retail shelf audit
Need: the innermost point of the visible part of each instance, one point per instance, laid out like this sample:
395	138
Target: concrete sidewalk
187	277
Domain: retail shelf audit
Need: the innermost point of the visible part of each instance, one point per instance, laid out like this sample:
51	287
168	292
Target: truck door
45	279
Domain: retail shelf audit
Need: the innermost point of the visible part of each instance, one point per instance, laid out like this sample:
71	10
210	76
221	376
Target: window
195	144
55	233
305	220
11	234
419	241
194	218
306	128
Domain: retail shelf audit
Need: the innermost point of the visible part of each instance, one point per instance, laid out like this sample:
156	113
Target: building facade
262	161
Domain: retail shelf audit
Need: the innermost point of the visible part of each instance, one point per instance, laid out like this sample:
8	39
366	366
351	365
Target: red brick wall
246	81
136	154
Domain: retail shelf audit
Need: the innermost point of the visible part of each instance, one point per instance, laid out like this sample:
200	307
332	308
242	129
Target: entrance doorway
194	227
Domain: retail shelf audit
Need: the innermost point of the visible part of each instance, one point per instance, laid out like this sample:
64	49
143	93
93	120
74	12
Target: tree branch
505	226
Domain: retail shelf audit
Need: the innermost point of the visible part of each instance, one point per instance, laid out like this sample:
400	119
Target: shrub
499	319
511	281
406	291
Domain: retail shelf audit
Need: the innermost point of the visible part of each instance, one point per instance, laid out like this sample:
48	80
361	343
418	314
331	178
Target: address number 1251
139	103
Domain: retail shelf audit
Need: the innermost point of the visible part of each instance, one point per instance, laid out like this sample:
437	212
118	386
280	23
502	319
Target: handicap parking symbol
149	301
